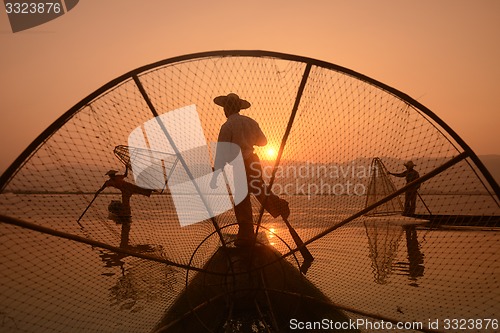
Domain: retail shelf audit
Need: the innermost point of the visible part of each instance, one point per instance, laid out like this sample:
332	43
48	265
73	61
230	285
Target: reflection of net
383	241
343	119
379	187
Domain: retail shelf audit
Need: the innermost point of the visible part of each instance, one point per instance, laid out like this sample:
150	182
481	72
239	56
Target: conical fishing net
72	261
379	187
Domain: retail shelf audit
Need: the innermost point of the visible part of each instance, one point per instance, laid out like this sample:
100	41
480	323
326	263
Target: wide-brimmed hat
111	172
409	164
232	99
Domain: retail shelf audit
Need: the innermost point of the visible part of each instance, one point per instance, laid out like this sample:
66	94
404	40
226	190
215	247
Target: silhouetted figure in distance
127	189
411	193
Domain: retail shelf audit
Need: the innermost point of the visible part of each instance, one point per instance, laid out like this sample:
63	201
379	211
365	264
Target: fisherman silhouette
246	133
411	193
122	210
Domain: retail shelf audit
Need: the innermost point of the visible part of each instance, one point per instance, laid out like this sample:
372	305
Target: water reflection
112	259
138	281
271	236
414	267
124	239
383	242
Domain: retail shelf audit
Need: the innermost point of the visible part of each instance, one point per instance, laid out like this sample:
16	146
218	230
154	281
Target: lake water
387	266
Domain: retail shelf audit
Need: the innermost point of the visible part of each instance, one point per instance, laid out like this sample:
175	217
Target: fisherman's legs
244	217
413	202
406	210
256	185
410	202
273	204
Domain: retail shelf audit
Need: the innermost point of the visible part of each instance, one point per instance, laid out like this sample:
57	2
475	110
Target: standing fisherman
411	193
246	133
127	189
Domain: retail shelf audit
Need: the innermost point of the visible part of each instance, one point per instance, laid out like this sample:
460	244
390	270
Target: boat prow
240	288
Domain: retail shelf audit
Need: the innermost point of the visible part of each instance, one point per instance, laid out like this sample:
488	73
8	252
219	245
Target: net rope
379	187
377	263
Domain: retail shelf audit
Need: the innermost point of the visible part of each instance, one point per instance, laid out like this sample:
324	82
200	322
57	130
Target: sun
270	153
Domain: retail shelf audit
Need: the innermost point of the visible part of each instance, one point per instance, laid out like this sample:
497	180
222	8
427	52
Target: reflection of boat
330	121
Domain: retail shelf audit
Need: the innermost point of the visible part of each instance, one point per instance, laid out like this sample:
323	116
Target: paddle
92	201
430	213
308	258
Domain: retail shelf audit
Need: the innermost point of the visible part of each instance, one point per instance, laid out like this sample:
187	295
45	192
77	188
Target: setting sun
270	153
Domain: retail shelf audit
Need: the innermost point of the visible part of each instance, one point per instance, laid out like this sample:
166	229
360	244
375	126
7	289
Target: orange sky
442	53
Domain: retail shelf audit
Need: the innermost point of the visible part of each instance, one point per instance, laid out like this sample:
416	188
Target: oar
430	213
308	258
95	196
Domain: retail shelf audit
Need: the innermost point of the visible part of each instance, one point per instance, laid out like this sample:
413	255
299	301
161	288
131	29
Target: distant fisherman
127	189
411	193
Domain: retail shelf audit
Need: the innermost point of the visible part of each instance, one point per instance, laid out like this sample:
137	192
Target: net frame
417	106
311	76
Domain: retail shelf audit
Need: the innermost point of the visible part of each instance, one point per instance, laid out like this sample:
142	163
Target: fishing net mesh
380	186
376	267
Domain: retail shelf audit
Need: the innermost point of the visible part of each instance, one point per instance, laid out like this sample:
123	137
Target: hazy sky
445	54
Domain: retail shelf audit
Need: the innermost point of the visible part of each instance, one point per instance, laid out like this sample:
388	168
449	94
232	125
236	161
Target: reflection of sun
271	235
270	153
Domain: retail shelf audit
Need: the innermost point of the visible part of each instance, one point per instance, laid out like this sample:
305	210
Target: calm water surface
384	266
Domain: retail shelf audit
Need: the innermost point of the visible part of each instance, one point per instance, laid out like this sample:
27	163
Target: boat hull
244	287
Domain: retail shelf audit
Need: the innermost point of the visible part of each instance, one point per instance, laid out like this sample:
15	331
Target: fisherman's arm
220	154
260	137
400	174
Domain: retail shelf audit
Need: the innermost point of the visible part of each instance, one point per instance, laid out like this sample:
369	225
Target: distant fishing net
379	187
73	261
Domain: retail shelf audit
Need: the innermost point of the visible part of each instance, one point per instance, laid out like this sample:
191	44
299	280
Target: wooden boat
249	287
461	220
